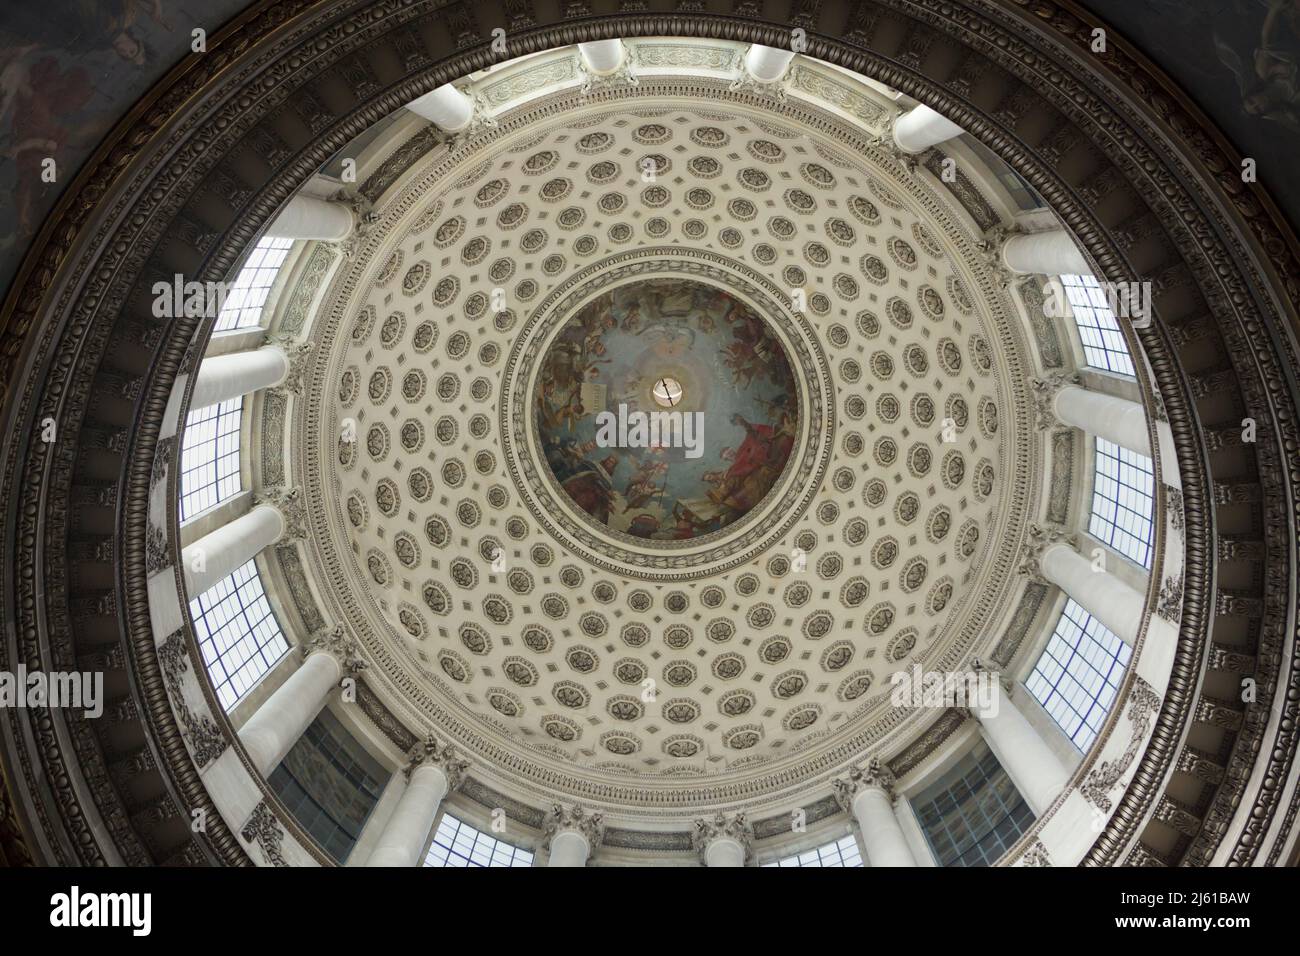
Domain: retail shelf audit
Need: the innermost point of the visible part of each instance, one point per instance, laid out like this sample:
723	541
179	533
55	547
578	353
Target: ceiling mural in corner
666	409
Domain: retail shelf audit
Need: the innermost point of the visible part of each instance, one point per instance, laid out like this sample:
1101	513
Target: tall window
330	784
1077	677
1123	501
974	813
458	844
1103	343
210	456
247	296
238	634
843	852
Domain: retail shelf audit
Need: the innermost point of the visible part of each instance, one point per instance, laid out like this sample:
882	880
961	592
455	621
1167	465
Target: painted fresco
712	360
69	70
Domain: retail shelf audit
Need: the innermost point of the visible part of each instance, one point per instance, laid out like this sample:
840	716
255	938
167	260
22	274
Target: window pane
974	813
242	308
210	456
458	844
330	784
1077	677
1103	342
238	634
843	852
1123	501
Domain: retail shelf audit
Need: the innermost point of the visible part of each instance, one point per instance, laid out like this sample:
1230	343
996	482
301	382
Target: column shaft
215	555
307	217
446	107
767	64
224	377
286	714
1045	253
1104	596
408	829
602	56
569	848
883	837
724	852
921	127
1115	419
1033	767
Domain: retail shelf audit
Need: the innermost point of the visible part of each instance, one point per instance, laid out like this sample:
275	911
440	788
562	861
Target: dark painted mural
69	69
1240	61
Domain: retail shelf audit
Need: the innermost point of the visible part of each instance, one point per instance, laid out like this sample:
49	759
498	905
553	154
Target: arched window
242	308
1103	342
238	634
1077	676
210	456
458	844
1123	501
842	852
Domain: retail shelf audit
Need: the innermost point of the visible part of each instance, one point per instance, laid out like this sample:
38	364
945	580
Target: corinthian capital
561	818
1039	539
1045	390
432	752
721	826
873	775
291	507
337	641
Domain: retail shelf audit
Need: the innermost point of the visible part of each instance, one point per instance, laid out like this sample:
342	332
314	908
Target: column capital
1045	389
1038	540
722	827
337	642
621	75
991	245
886	141
1000	679
289	503
298	355
431	752
745	80
574	818
873	775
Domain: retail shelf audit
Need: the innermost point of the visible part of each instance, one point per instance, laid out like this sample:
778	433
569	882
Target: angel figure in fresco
1270	81
645	484
753	471
37	98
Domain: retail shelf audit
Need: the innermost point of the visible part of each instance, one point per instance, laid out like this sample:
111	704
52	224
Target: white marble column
921	127
1103	595
283	717
868	793
223	377
434	771
572	835
723	840
1030	763
1115	419
602	57
1044	253
307	217
217	554
446	107
767	64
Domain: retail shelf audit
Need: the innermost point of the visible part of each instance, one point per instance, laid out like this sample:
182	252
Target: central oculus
666	409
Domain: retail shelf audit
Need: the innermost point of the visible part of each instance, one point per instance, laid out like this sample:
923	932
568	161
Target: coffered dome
512	608
651	437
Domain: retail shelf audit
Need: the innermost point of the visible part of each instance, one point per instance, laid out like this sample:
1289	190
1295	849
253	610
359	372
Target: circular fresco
666	409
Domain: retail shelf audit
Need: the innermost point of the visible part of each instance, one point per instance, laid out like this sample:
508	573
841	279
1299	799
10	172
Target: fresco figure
734	378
